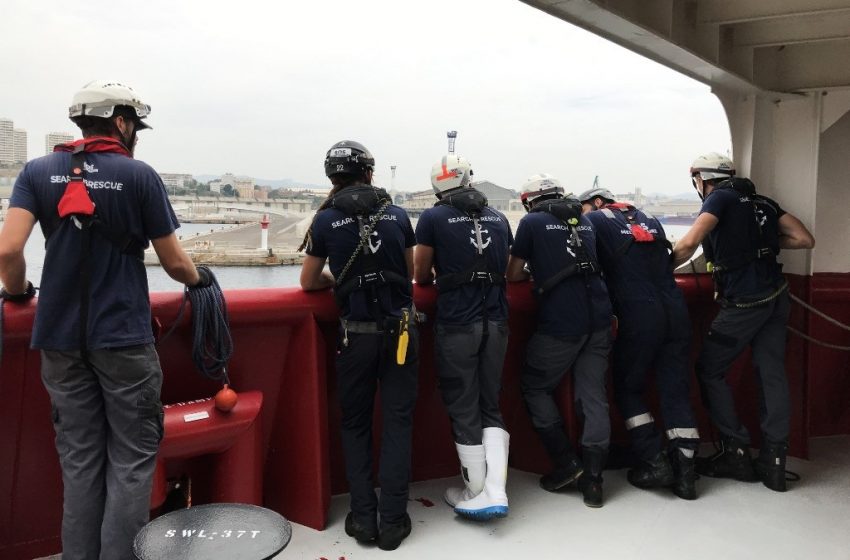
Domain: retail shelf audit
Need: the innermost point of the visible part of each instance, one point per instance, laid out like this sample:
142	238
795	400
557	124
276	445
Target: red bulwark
285	343
229	443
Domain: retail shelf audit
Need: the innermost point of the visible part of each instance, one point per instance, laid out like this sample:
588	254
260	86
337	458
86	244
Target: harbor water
229	277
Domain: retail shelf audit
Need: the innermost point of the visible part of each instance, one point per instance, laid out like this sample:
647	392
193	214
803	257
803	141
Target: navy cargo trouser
469	375
108	421
654	334
762	328
365	362
548	358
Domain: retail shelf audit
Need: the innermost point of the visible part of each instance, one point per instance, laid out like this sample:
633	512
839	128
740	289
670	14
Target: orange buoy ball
226	399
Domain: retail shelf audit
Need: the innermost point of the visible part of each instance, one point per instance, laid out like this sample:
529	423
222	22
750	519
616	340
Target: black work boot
567	465
392	535
654	473
363	531
590	483
683	470
770	466
732	461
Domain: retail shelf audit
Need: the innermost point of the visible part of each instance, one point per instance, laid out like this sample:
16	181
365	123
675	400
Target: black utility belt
387	324
396	331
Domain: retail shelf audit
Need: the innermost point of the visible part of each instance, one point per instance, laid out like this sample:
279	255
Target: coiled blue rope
212	344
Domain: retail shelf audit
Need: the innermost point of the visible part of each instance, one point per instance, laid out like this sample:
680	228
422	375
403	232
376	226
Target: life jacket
76	205
639	234
366	268
472	203
569	213
655	250
761	235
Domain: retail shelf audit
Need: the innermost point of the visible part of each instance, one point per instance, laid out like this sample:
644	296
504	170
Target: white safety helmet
712	166
539	185
598	192
100	97
451	172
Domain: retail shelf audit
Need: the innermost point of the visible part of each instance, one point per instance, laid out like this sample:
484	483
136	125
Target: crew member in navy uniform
466	242
741	233
654	331
573	331
98	209
369	243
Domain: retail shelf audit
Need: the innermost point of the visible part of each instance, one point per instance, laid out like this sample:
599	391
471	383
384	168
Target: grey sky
263	89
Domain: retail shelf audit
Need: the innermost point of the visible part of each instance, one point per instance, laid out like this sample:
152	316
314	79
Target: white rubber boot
472	470
492	501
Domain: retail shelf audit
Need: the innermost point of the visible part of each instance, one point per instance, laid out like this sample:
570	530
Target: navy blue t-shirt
578	305
129	196
452	235
644	271
736	234
335	236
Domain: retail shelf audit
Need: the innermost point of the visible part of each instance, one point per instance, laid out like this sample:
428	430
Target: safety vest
582	263
365	269
761	237
472	203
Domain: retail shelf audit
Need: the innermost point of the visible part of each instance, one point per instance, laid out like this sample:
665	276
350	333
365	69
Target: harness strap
746	305
567	272
369	279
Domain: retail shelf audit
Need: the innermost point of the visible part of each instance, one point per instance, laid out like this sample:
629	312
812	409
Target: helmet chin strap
129	141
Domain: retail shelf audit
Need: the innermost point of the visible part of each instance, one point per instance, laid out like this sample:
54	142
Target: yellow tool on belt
403	337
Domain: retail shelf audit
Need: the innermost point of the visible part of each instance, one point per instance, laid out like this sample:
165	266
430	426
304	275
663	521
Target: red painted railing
285	341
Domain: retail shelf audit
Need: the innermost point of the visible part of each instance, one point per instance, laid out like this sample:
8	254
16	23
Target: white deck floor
730	520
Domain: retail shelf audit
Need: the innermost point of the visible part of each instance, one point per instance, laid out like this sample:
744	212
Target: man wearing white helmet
573	331
465	242
653	334
99	209
742	233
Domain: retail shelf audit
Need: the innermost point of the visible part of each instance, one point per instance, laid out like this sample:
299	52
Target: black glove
205	277
28	294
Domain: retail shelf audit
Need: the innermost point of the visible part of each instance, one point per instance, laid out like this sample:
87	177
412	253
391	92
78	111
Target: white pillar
264	233
776	142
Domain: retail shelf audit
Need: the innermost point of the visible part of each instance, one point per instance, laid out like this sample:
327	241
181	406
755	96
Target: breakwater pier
239	242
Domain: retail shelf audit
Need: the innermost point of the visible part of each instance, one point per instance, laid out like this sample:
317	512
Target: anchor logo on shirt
761	218
484	244
374	248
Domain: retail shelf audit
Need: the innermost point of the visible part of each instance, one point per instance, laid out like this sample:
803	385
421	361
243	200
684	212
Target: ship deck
730	520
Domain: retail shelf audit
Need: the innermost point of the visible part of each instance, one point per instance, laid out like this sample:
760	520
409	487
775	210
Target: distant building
497	197
175	180
53	138
7	142
19	146
420	200
245	191
243	185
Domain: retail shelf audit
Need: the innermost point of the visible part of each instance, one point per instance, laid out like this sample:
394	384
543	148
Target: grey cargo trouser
469	375
108	422
548	358
763	328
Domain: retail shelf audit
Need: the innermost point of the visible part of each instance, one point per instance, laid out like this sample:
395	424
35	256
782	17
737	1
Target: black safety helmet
349	158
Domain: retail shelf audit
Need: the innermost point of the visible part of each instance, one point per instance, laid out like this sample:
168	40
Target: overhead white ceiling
784	46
